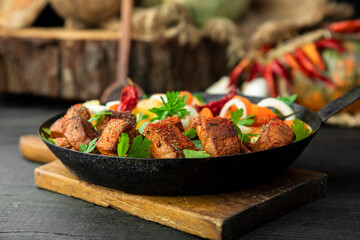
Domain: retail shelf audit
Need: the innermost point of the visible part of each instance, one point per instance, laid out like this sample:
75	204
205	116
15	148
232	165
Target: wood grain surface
218	216
33	148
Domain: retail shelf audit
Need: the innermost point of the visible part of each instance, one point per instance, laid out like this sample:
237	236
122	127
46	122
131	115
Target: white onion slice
237	102
245	129
158	97
110	103
94	109
187	120
282	107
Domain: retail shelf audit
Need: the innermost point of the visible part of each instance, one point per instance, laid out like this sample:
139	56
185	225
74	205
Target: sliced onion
282	107
110	103
158	97
94	109
237	102
245	129
187	120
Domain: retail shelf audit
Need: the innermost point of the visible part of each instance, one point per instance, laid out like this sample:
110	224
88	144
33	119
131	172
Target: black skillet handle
338	104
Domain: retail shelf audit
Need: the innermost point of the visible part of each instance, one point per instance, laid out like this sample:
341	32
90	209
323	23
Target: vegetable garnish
246	121
142	127
195	154
174	106
288	100
100	115
191	133
86	149
300	130
142	117
47	131
236	118
139	148
199	97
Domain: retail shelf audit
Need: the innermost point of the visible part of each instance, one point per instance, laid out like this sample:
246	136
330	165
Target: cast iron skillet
194	176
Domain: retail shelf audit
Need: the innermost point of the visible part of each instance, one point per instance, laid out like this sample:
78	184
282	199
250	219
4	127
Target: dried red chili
128	99
305	62
270	81
294	64
215	106
279	69
348	26
331	43
255	70
238	70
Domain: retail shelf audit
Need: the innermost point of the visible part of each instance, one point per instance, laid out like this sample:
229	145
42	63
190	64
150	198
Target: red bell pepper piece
238	70
270	81
305	62
294	64
331	43
215	106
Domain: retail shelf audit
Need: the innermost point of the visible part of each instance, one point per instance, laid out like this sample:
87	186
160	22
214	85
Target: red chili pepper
238	70
279	69
216	106
128	99
294	64
331	43
270	81
348	26
305	62
256	69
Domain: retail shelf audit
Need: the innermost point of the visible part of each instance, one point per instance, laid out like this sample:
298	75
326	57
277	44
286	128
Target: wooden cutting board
217	216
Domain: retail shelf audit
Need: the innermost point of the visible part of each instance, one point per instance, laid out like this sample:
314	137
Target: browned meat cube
167	141
109	139
78	131
56	129
218	135
174	121
77	110
62	142
126	115
275	134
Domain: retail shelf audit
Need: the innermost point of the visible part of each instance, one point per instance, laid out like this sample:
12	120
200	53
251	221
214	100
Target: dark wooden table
29	212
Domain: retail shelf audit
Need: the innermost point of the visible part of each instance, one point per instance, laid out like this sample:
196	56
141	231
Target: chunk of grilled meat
275	134
167	141
126	115
62	142
78	131
77	110
109	139
218	135
174	121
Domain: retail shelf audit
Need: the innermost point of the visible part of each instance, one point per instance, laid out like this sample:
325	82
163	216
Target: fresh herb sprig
139	148
88	148
47	131
288	100
191	133
175	105
100	115
246	121
300	130
195	154
142	117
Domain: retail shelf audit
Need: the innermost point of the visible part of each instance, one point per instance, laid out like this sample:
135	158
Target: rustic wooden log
80	64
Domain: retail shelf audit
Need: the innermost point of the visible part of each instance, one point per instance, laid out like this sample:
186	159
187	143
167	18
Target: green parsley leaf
197	144
48	139
86	149
175	105
140	148
199	97
141	117
142	127
123	145
288	100
145	96
195	154
191	133
300	130
100	115
46	130
236	118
